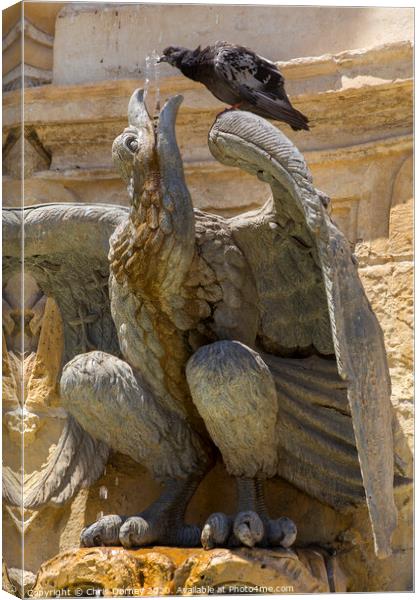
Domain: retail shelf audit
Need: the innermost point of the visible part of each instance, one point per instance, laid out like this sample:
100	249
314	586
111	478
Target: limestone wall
90	45
350	71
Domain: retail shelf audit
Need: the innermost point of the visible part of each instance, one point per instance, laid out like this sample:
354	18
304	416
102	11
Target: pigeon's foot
247	529
162	523
228	109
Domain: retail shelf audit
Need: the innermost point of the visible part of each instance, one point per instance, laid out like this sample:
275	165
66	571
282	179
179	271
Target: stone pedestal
188	571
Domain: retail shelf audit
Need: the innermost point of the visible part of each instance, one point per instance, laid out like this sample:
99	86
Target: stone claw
248	528
136	531
105	532
281	532
216	531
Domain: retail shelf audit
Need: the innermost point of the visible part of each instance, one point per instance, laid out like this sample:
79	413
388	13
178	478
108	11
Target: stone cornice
30	31
359	123
375	58
330	78
95	112
318	158
361	152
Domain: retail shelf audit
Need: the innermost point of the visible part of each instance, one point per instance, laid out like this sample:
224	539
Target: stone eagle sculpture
248	336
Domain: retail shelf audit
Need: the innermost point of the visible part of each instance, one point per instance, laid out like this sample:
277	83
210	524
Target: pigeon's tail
300	121
279	111
270	107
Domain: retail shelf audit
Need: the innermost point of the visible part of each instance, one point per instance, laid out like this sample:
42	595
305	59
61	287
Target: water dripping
103	492
152	84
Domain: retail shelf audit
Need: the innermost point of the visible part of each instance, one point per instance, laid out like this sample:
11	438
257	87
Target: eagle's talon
105	532
248	528
216	531
136	531
281	532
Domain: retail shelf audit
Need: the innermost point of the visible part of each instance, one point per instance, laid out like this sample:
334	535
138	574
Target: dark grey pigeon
239	77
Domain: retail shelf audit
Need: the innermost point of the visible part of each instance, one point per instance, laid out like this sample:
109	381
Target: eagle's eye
132	143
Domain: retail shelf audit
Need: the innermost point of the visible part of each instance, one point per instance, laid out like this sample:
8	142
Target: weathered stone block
189	572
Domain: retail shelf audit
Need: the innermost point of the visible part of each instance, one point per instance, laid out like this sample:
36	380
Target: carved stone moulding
30	64
166	571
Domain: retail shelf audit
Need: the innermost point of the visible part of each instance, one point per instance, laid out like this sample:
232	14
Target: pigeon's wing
239	66
65	250
311	297
258	82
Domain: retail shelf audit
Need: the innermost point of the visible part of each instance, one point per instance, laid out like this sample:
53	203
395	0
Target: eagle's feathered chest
215	301
149	339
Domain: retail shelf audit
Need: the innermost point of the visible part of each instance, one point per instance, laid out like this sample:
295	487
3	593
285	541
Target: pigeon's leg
109	401
235	394
236	106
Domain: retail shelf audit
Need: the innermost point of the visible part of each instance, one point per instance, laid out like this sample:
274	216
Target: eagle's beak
162	59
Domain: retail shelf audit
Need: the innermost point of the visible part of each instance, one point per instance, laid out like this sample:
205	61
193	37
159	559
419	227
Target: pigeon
238	77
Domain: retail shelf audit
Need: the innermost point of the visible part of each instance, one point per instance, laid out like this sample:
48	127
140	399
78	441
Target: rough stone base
188	571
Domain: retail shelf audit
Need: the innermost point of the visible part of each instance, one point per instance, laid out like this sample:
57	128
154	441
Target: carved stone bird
248	337
239	77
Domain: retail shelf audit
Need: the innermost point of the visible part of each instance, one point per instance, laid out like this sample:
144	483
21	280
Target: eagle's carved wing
66	251
311	296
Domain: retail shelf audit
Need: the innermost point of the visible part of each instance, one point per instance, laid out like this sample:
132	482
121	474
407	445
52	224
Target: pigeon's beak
162	59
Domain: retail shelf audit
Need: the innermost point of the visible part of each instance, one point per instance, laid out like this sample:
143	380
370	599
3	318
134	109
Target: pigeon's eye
132	143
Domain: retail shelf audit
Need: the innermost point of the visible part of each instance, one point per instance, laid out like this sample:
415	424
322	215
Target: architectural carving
79	122
74	459
28	38
37	157
60	457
